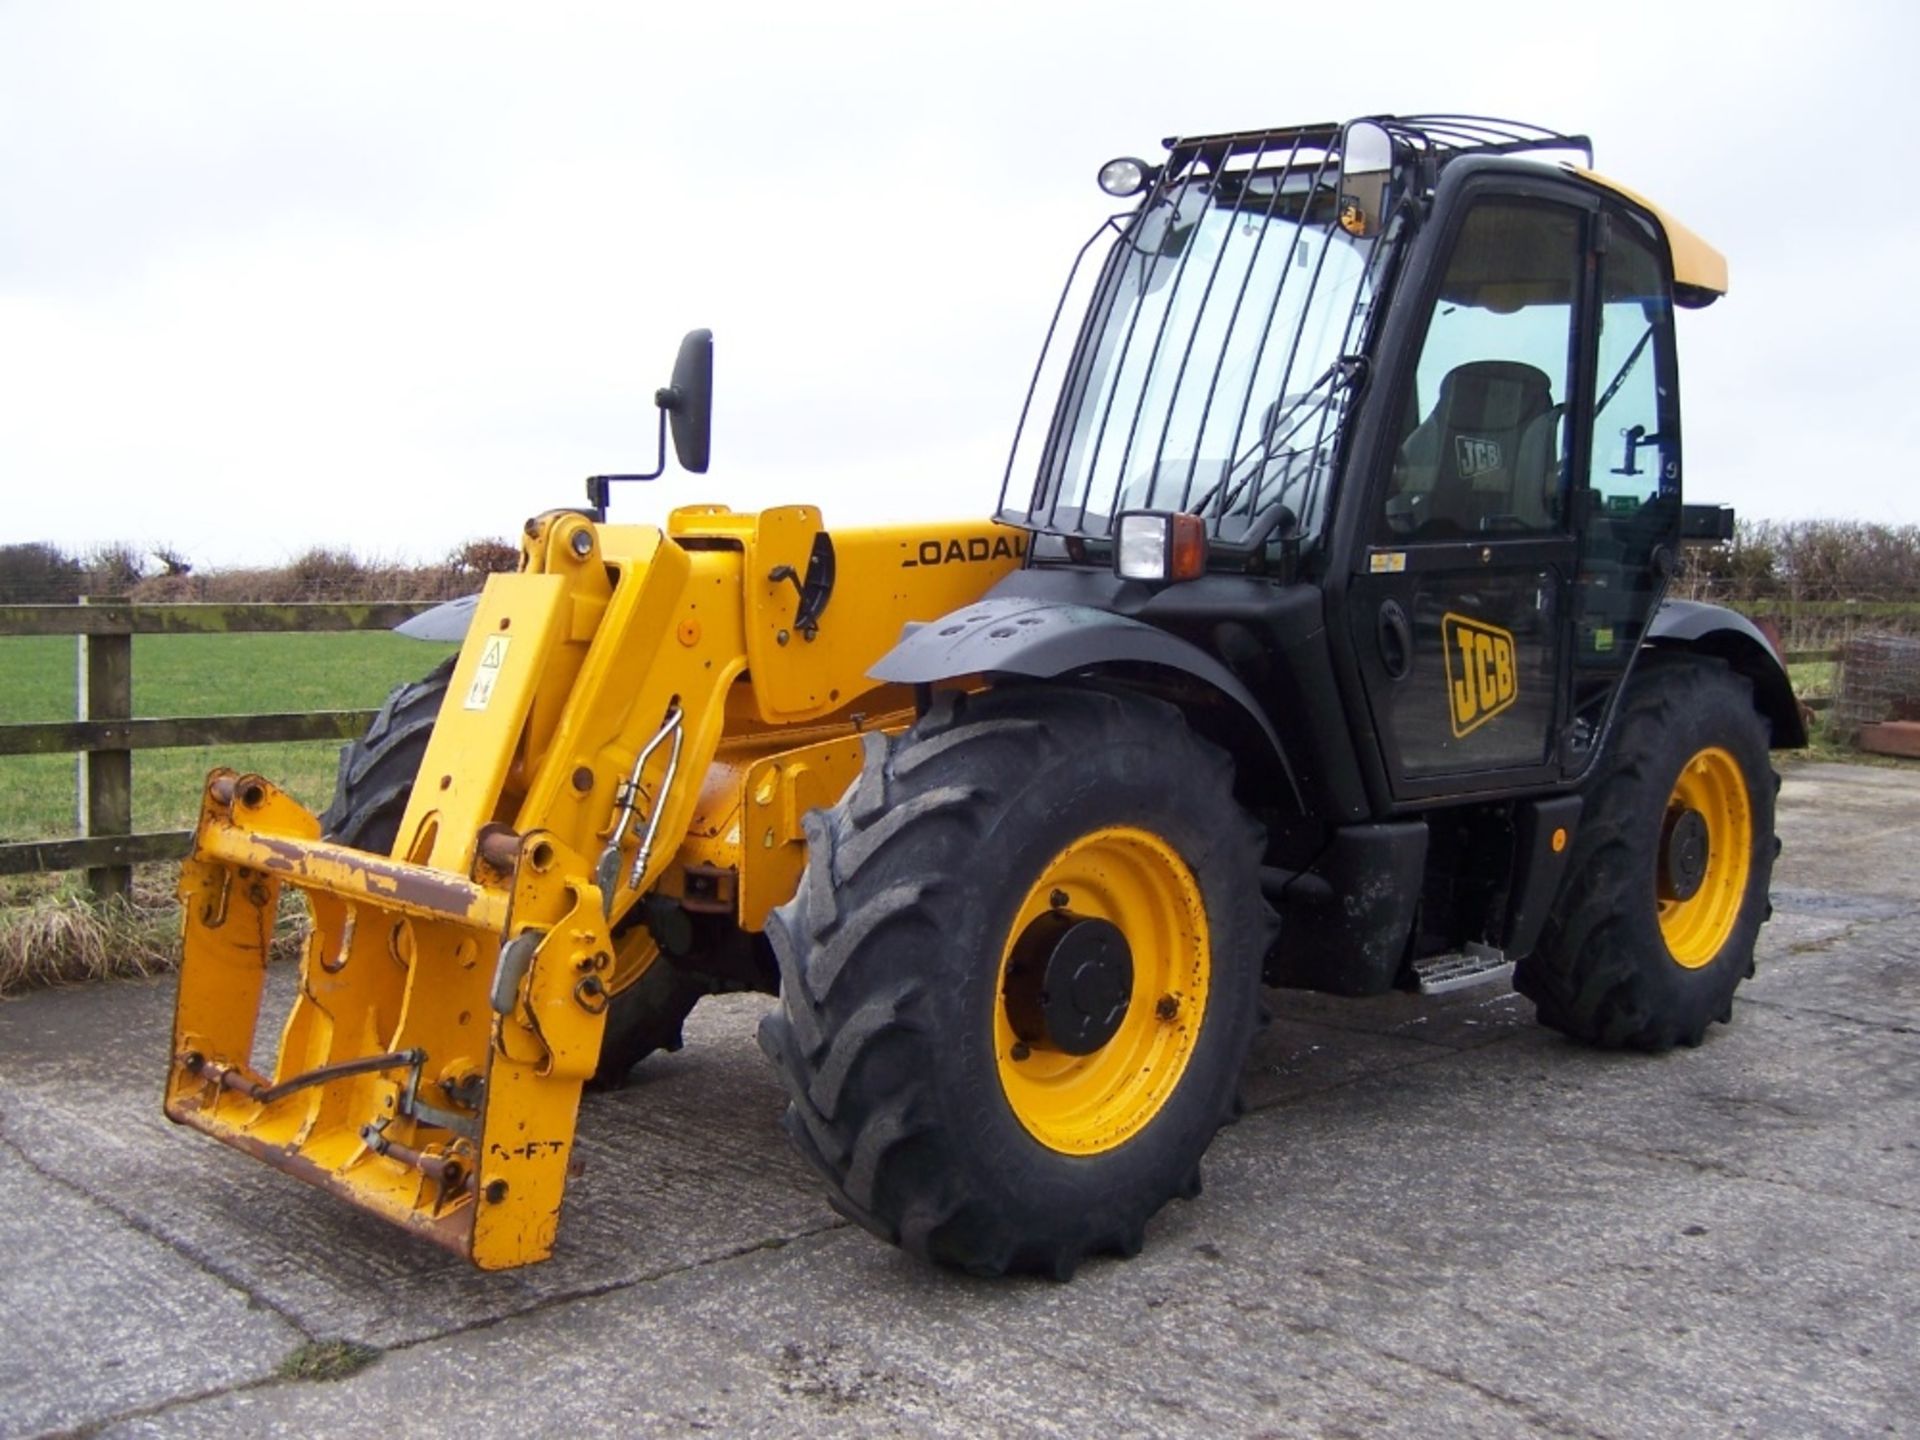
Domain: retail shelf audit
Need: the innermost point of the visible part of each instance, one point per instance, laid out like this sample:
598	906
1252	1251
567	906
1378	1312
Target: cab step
1474	964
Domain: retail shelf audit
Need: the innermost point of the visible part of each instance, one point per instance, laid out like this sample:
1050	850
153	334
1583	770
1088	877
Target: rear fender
1715	630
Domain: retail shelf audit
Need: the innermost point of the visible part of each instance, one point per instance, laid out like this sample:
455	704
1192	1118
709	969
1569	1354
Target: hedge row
1809	561
41	574
1768	560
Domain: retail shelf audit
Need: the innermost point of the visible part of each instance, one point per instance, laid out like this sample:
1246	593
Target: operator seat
1483	456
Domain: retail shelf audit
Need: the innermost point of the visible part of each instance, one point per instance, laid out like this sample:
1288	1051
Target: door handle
1396	640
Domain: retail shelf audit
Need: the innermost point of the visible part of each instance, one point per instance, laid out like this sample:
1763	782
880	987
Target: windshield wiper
1262	453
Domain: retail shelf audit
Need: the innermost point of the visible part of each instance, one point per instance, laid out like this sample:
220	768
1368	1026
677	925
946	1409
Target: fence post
105	777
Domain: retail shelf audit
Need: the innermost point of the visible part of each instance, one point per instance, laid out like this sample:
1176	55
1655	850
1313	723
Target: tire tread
1600	971
853	1028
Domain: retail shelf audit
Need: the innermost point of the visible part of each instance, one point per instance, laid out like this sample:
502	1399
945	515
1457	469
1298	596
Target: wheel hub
1069	982
1683	855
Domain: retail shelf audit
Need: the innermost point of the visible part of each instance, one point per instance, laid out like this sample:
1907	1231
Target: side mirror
689	401
687	406
1366	170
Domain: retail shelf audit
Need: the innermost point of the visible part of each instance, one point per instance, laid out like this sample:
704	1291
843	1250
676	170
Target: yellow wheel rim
633	956
1087	1104
1697	926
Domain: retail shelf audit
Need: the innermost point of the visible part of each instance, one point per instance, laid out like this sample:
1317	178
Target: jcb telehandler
1320	641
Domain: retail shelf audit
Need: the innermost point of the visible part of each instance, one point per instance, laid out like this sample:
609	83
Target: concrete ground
1438	1218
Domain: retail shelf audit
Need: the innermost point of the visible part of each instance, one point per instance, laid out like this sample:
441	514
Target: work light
1123	177
1153	545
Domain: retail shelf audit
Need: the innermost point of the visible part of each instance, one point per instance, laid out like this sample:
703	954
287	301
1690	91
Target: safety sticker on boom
492	658
1481	680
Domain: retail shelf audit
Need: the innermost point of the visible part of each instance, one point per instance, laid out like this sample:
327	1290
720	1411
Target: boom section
614	703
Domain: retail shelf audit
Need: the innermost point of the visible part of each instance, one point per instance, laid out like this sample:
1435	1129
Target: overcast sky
394	275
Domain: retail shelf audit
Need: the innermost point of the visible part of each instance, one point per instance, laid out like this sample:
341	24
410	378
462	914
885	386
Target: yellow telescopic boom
636	713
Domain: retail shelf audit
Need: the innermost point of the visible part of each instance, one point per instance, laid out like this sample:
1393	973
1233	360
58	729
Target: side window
1631	505
1634	461
1483	443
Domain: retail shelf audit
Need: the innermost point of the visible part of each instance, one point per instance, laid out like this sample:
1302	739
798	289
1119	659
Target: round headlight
1123	177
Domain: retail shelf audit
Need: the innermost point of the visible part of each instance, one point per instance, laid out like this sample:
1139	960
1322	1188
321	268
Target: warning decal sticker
492	658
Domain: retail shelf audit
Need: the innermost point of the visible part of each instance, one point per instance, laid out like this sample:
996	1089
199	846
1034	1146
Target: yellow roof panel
1695	262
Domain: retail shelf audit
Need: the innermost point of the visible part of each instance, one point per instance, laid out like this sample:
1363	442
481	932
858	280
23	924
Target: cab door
1628	515
1463	579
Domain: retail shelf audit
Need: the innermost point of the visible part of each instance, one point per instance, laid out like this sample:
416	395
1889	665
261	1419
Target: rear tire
375	780
644	1017
941	1118
1655	926
377	771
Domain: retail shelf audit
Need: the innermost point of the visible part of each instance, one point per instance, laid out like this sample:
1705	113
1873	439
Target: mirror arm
599	487
1634	438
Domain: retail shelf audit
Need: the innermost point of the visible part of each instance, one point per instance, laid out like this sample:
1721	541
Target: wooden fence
1817	624
1789	610
106	734
1812	657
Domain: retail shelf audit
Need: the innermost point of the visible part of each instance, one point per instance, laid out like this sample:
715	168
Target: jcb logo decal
1480	671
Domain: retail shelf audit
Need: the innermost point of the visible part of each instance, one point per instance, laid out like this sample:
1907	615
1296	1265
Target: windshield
1209	374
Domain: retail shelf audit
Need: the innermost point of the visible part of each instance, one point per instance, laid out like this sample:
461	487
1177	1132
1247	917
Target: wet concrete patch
1842	905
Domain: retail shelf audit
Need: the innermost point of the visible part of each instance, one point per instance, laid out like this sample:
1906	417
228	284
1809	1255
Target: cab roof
1697	267
1699	270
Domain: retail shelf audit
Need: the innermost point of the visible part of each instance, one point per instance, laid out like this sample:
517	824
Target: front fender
1040	639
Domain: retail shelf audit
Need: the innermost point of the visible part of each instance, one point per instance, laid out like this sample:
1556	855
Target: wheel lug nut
1058	899
1020	1050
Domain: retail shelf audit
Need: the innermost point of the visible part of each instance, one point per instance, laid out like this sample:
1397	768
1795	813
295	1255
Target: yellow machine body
637	711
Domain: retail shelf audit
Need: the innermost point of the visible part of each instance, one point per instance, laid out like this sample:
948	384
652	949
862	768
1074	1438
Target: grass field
195	675
47	935
233	675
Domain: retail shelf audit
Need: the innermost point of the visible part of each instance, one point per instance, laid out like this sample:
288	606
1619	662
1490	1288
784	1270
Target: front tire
1020	977
1666	888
